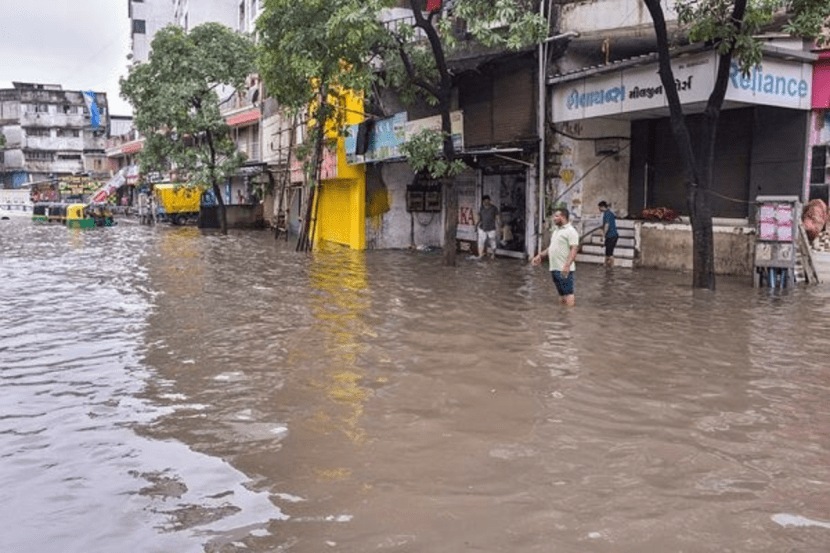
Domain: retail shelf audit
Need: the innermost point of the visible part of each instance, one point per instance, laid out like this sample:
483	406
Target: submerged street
164	390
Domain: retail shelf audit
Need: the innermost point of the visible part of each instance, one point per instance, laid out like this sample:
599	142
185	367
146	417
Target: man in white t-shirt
561	253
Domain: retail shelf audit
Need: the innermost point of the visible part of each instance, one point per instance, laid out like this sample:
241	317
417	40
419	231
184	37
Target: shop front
760	150
507	178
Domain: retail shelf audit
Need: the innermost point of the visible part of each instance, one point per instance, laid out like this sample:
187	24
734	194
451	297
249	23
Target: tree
421	66
176	100
307	52
731	26
306	48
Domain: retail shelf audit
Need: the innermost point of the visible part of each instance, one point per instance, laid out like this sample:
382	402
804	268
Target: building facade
147	17
51	134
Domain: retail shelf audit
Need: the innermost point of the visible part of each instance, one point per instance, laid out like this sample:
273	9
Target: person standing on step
561	253
488	221
609	232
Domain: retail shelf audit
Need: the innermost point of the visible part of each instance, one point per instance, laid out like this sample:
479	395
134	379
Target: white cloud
80	44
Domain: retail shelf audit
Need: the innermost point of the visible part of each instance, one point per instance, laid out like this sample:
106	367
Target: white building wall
397	228
156	15
192	13
601	16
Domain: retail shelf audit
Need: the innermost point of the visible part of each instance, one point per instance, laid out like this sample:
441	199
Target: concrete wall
589	176
394	227
669	246
156	14
598	16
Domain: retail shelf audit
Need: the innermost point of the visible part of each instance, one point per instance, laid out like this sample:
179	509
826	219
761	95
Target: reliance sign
774	82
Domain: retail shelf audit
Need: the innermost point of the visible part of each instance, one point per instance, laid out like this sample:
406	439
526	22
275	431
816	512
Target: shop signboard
385	139
387	135
774	82
465	186
434	123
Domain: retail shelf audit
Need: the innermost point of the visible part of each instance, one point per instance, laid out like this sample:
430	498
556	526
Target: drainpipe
541	95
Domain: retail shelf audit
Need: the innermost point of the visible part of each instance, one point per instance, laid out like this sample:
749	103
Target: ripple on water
197	391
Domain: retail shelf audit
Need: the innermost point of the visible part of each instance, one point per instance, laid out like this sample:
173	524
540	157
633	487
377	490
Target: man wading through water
564	245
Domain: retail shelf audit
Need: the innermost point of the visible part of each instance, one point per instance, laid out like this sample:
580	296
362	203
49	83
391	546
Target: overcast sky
79	44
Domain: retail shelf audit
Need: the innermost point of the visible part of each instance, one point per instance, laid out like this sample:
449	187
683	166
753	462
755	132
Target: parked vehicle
49	212
177	203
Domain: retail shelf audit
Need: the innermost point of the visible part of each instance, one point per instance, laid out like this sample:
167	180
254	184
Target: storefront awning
132	147
244	118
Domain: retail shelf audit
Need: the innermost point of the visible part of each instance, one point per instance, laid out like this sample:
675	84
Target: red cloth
433	5
814	218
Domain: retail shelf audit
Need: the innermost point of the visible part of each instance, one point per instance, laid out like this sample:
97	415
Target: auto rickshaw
39	211
102	215
76	217
56	213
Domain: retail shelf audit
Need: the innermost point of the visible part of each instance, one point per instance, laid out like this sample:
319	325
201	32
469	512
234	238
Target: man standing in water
564	245
488	221
609	232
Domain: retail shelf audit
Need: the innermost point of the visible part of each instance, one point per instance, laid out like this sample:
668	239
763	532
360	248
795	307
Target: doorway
508	191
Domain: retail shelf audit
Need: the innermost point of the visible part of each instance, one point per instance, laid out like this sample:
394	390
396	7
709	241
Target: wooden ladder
804	258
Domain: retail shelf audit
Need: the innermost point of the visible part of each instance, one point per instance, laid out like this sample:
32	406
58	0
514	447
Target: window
42	108
38	155
64	133
139	27
818	168
32	132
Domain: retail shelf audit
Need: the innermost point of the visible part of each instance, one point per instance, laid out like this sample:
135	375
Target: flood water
167	391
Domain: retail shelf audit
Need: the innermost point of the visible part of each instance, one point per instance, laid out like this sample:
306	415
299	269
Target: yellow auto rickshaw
77	217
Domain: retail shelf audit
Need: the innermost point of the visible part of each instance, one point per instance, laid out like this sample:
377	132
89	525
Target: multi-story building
49	134
147	17
240	110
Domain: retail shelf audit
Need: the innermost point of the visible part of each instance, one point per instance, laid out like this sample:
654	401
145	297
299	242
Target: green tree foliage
732	27
423	151
176	100
307	50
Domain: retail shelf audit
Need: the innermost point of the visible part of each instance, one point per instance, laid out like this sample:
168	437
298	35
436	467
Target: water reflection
339	298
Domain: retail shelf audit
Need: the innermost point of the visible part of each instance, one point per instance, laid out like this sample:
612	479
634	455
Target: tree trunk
698	163
450	222
450	192
703	245
223	217
305	242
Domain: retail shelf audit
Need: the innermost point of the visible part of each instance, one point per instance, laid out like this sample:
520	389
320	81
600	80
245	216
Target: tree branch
411	73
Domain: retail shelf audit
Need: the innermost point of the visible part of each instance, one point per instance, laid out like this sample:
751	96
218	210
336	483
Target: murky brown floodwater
164	391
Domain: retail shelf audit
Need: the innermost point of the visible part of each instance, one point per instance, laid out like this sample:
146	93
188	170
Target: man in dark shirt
609	232
488	221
